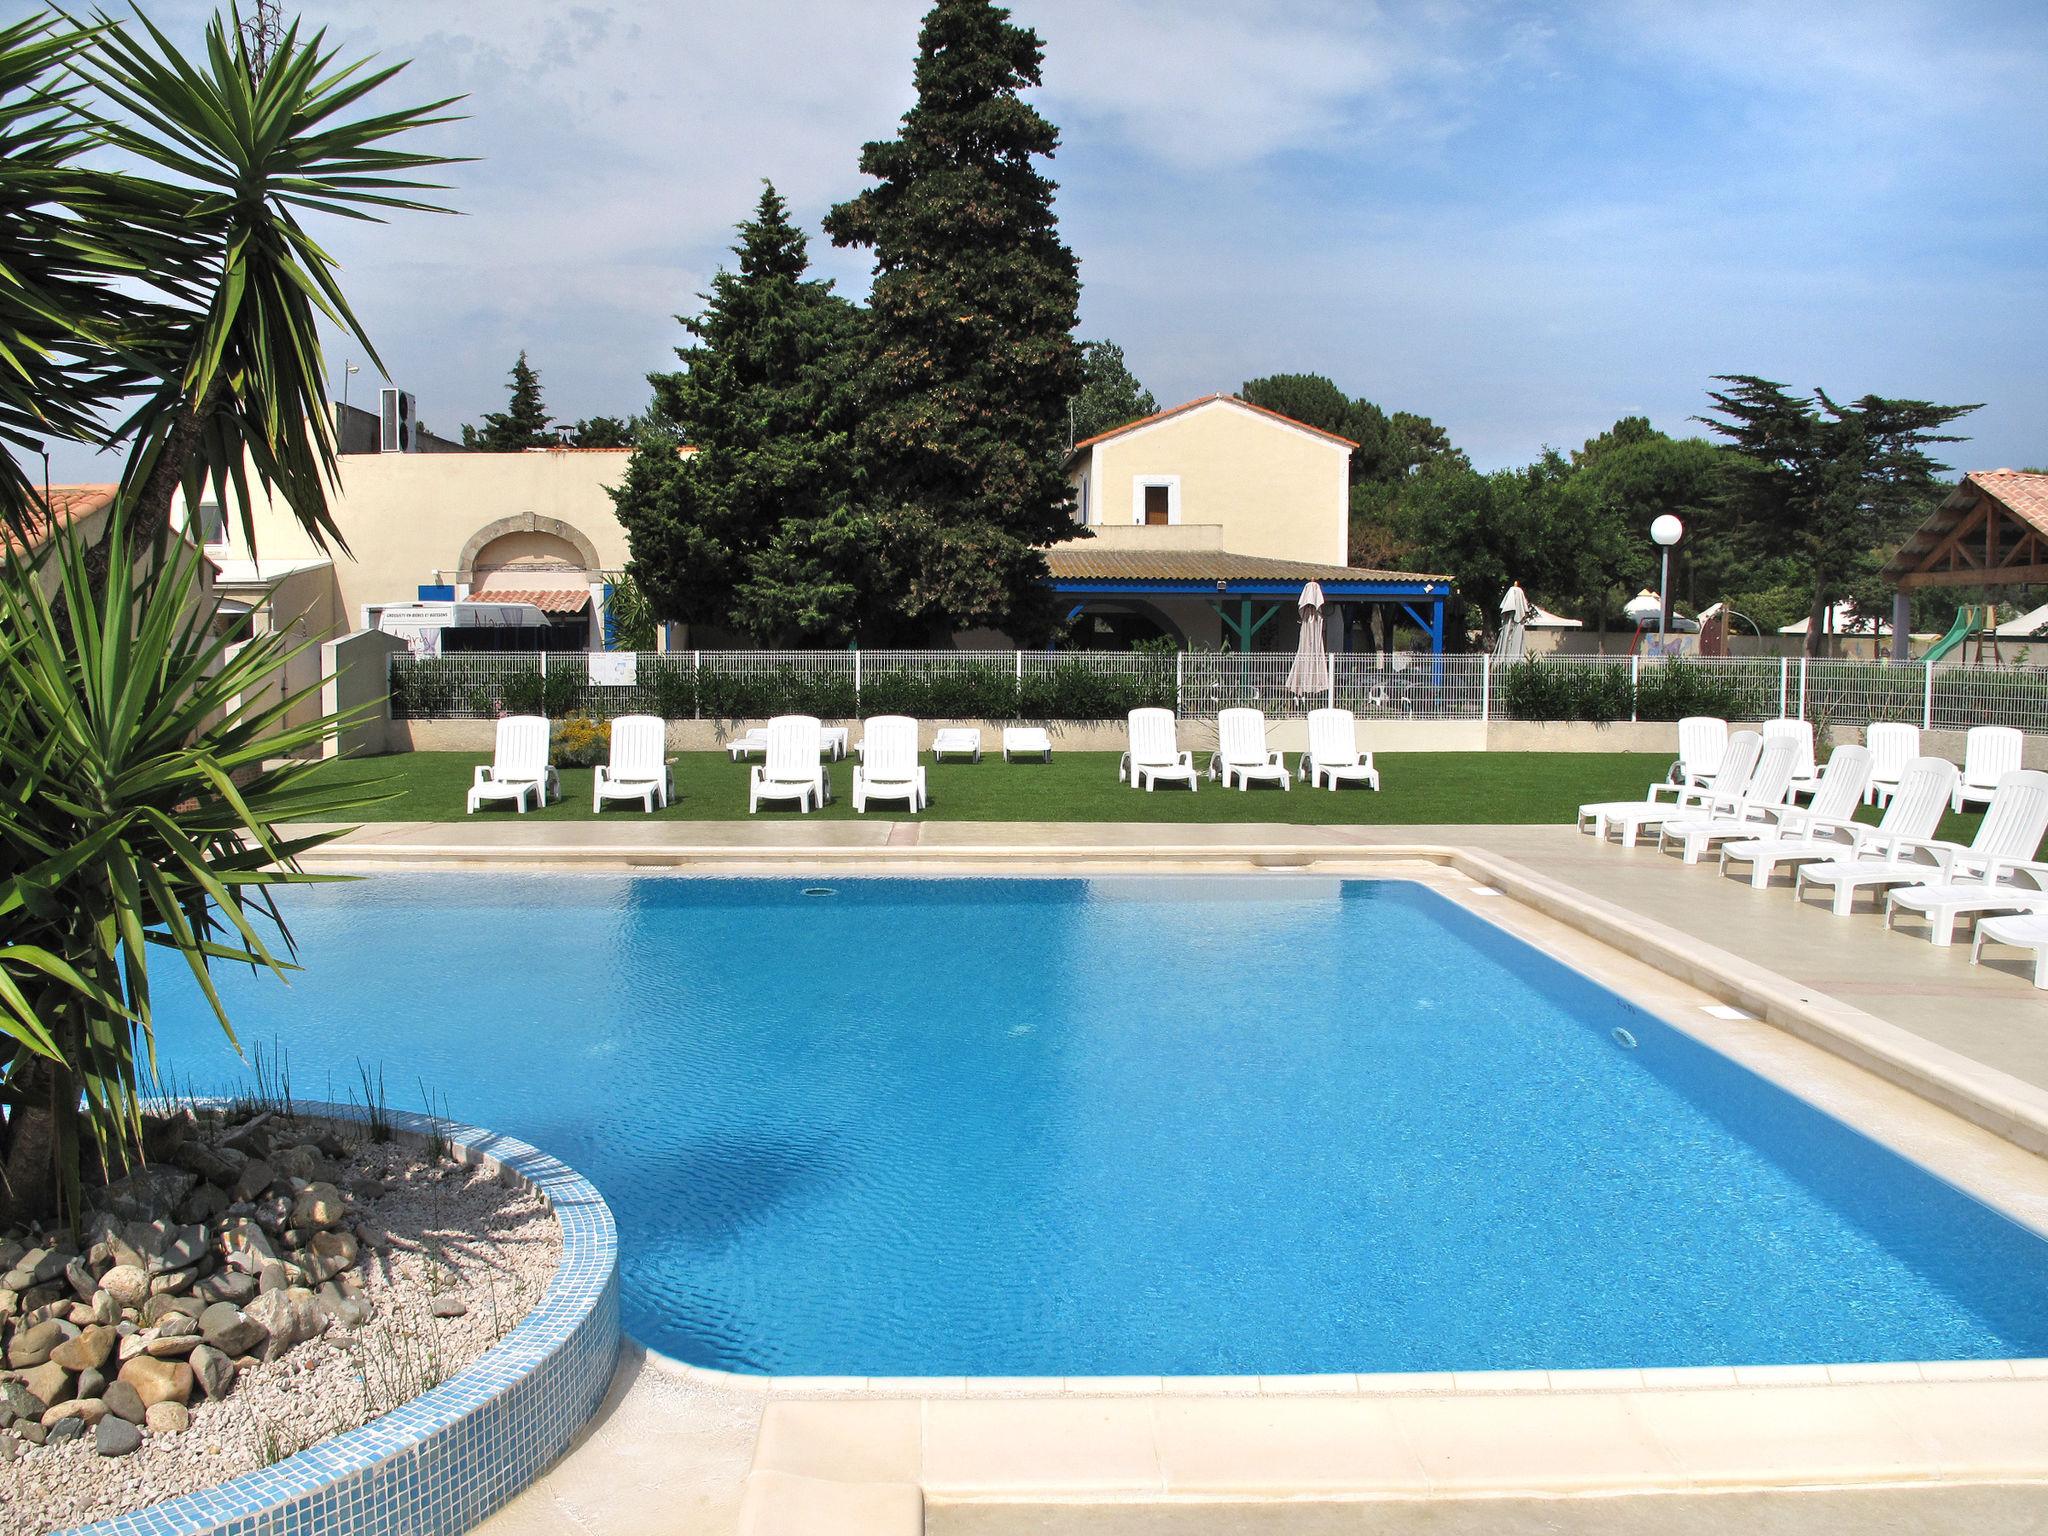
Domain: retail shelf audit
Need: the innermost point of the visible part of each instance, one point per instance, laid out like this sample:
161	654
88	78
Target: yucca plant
148	766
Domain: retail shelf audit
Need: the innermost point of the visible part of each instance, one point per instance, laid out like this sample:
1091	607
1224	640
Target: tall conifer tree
971	355
522	424
764	399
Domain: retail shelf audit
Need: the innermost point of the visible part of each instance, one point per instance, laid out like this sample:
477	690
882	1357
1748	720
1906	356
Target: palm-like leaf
234	155
147	765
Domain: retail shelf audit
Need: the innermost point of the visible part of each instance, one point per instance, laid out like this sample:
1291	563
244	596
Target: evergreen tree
1829	485
765	400
522	424
1110	393
971	361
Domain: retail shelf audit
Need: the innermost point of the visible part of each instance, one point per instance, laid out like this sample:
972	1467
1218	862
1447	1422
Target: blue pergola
1245	591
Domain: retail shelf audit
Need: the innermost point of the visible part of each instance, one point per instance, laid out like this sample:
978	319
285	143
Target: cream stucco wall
1266	488
408	518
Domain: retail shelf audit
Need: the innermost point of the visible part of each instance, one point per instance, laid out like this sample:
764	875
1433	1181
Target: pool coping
438	1464
1737	1414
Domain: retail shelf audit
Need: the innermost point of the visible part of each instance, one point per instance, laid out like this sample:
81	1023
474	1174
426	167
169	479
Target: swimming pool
1142	1126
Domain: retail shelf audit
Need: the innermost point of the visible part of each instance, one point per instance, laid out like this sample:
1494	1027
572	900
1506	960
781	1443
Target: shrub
581	742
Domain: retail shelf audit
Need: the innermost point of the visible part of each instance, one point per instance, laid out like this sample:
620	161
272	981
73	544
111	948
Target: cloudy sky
1523	220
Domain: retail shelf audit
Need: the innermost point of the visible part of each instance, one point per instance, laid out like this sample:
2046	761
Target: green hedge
1664	690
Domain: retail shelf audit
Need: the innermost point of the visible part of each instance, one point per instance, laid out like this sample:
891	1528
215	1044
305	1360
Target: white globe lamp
1665	531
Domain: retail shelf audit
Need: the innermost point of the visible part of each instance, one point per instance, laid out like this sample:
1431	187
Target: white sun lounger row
1739	792
522	770
1242	758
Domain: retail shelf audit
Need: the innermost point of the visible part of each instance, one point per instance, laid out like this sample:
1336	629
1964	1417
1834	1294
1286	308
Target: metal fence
1096	685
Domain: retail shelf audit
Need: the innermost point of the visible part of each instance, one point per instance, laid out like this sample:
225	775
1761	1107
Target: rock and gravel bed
263	1284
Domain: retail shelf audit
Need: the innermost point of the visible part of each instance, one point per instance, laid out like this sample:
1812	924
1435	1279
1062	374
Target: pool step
786	1504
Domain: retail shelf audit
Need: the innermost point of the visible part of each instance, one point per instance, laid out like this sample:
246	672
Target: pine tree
1828	485
765	401
1110	393
971	358
522	424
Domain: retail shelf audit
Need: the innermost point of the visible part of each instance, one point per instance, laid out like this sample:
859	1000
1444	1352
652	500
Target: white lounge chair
957	741
1026	741
1827	829
1153	754
639	768
889	769
2022	930
1720	818
1241	754
519	769
1884	862
2008	881
1333	757
1805	774
1663	800
1701	741
1893	744
753	739
792	770
1990	752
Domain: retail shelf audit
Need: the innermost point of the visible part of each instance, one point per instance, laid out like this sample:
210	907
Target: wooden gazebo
1990	531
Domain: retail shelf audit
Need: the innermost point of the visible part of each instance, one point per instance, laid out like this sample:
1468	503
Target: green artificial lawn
1420	787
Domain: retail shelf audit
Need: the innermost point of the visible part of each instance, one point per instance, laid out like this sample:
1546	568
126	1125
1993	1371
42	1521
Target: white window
1081	503
1155	500
212	524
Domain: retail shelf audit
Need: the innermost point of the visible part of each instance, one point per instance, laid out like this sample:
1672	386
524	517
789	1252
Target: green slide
1964	627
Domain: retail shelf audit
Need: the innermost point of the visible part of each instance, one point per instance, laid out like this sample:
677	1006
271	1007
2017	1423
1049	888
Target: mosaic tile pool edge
441	1463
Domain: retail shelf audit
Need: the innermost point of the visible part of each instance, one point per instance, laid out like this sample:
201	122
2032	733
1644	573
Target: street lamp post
1665	531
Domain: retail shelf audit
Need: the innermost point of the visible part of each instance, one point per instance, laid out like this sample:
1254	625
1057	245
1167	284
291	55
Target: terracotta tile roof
566	448
69	503
2022	493
1071	563
1190	405
563	600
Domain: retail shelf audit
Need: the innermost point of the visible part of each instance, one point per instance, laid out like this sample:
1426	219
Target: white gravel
455	1233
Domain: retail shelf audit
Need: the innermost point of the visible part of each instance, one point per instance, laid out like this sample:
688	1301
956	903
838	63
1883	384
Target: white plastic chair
1828	828
888	767
753	739
1663	800
2022	930
2011	878
1718	818
1805	774
1990	752
1701	741
519	769
792	770
1153	755
1333	756
639	768
1026	741
1241	753
1893	744
2010	831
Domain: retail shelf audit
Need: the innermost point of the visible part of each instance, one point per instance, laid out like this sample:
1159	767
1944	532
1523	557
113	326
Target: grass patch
1421	787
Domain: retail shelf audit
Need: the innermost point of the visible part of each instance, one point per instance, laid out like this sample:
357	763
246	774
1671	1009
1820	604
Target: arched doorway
539	560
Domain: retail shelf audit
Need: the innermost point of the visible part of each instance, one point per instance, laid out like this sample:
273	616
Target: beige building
1207	519
536	527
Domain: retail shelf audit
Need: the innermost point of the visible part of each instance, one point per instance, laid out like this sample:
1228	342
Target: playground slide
1964	626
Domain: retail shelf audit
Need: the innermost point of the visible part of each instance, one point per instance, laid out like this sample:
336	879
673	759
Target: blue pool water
1141	1126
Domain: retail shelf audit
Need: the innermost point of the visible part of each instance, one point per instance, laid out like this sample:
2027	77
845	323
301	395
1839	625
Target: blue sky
1522	220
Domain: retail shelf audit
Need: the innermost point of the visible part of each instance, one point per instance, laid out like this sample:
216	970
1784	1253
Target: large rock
91	1383
168	1418
157	1308
128	1284
301	1162
290	1317
256	1176
78	1275
231	1330
327	1255
173	1282
147	1194
32	1346
116	1437
49	1383
319	1205
247	1246
87	1352
205	1203
158	1381
211	1163
230	1285
124	1401
17	1400
213	1370
252	1138
90	1409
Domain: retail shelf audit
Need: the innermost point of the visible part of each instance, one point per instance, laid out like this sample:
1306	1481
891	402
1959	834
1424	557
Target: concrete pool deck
683	1450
